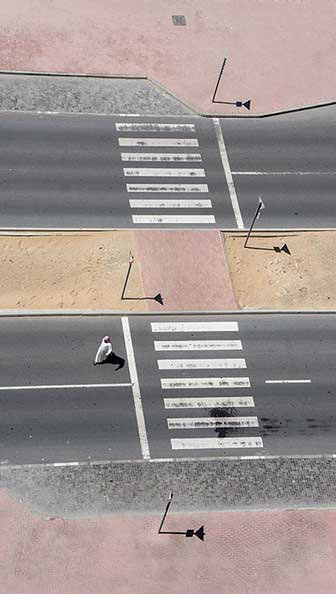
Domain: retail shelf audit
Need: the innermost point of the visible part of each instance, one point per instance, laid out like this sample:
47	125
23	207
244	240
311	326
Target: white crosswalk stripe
161	157
194	326
197	345
192	188
201	363
158	142
211	422
191	443
189	383
222	411
159	136
154	127
166	172
173	219
170	203
209	402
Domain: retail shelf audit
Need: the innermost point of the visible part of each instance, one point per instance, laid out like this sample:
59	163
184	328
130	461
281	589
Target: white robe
105	348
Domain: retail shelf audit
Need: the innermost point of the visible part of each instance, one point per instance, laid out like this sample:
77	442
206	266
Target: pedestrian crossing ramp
224	413
160	151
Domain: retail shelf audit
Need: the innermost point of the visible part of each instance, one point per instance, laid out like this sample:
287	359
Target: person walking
104	350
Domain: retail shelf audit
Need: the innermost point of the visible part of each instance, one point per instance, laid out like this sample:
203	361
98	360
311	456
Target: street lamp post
260	207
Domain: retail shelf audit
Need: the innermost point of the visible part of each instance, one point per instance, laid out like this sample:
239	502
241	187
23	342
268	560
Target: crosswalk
222	413
147	211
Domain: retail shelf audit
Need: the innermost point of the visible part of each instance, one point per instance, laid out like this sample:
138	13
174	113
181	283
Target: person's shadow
115	360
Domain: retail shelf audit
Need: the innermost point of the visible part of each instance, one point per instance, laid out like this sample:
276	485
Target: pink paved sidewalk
280	54
291	552
188	268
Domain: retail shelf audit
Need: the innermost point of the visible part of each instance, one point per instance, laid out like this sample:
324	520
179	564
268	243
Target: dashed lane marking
63	386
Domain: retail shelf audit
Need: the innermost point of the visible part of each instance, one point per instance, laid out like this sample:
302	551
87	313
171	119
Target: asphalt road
95	412
66	171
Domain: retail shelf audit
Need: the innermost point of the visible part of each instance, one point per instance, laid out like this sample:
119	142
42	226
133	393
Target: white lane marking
297	381
228	402
173	219
65	464
170	203
135	389
63	386
190	443
197	345
167	187
158	142
194	326
201	363
161	157
211	422
154	127
165	172
194	383
228	174
283	172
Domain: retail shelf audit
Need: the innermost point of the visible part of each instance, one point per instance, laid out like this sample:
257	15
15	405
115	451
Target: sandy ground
69	271
262	278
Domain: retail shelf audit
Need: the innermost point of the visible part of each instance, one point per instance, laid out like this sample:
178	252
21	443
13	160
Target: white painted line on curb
167	188
194	326
201	363
190	443
154	127
194	383
170	203
229	402
65	464
173	219
161	157
163	172
211	422
63	386
197	345
158	142
298	381
135	389
228	174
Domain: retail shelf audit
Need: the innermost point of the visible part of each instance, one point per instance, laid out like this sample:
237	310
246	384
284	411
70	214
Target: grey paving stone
210	485
71	94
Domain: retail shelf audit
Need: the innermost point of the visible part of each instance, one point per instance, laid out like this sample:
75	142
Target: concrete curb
163	88
20	313
235	231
